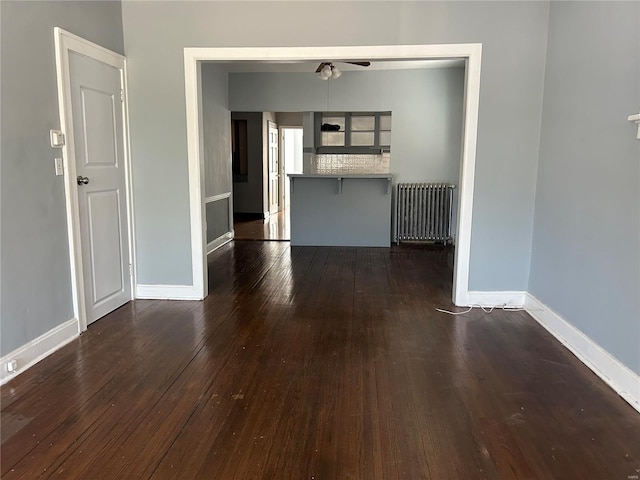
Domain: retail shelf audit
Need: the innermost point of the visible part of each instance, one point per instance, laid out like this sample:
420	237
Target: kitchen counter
341	209
341	177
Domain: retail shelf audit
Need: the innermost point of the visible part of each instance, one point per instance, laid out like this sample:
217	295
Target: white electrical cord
503	307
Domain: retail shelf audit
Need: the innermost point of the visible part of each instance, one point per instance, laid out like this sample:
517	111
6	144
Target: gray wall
248	196
217	214
357	217
216	145
513	35
289	119
36	277
426	105
586	241
216	131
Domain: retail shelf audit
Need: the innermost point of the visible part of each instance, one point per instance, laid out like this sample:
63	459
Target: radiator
424	212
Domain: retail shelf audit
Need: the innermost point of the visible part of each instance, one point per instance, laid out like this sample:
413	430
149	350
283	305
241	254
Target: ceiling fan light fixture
328	70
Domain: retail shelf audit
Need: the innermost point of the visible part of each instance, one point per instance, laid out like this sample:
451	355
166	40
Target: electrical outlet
12	365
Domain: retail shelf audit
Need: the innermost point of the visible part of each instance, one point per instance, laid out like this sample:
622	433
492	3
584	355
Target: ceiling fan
328	69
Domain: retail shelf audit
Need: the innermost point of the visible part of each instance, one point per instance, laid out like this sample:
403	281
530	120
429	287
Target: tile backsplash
346	163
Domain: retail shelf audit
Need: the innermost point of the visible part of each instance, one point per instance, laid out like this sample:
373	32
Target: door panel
274	169
97	111
98	115
103	215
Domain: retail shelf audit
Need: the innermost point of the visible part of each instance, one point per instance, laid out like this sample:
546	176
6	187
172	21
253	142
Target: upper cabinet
352	132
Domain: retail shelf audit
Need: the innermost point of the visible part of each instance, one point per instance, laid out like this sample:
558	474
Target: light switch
57	138
59	166
636	119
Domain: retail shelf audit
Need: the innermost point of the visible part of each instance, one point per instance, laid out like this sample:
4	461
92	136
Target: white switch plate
59	166
636	119
57	138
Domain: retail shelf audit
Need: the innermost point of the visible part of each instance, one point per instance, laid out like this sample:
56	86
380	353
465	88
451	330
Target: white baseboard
494	299
619	377
166	292
32	352
220	241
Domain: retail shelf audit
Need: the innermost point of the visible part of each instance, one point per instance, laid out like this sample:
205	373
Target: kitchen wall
585	263
426	106
35	291
513	35
289	119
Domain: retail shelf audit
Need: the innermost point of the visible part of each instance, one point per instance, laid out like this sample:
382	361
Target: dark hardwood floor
316	363
276	227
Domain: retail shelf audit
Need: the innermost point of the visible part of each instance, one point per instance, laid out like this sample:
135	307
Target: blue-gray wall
248	195
513	35
585	263
216	146
426	104
34	253
358	216
216	130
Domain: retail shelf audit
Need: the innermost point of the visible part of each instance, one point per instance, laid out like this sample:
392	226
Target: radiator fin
424	212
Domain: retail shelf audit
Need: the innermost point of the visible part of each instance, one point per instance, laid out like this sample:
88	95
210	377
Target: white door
97	112
274	169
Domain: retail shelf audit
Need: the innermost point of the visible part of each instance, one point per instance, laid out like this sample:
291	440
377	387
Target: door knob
82	180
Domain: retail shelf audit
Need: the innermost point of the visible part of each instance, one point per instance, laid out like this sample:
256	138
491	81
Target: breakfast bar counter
341	210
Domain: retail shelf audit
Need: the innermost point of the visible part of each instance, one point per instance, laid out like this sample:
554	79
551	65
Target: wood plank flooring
316	363
276	227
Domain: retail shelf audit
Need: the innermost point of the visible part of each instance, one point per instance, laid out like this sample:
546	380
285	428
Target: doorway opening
265	148
469	53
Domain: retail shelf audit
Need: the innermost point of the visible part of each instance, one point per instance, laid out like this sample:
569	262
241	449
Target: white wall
292	156
293	150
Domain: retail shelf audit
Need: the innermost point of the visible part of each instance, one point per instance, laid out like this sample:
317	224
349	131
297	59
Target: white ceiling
310	66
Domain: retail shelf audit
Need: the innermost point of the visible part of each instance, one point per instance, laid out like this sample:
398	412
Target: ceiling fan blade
362	64
321	66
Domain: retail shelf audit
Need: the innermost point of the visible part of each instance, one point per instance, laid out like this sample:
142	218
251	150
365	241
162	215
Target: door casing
470	52
66	42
